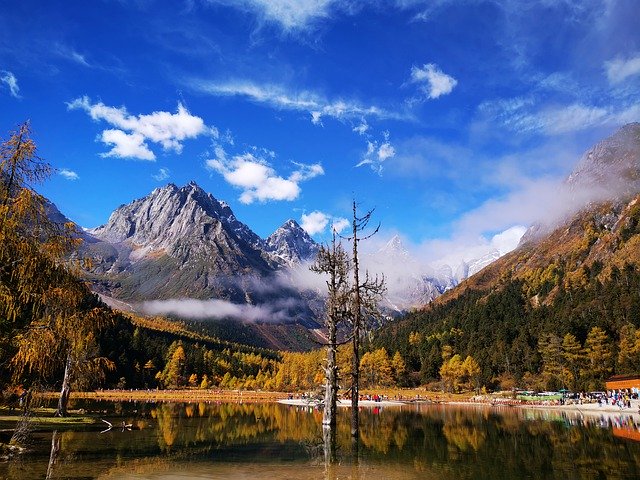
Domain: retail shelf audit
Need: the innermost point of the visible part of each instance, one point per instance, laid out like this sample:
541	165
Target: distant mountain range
181	243
184	243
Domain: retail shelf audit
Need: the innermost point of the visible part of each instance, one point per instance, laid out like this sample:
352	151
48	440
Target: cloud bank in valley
279	311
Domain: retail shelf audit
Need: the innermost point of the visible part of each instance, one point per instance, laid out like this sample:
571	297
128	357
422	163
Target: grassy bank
183	395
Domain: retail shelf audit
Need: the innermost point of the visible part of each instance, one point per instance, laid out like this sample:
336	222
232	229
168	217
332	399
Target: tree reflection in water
409	443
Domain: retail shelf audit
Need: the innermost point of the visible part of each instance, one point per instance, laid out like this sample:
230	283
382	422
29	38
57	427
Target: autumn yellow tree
599	357
376	368
451	373
49	319
628	350
26	263
554	372
399	368
573	356
173	374
471	373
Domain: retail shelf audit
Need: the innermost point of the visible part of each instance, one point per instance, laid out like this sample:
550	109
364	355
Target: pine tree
550	348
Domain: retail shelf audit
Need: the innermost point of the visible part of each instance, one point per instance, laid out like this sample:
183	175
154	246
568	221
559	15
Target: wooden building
618	382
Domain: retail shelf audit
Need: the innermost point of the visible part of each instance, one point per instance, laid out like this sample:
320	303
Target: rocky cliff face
607	172
183	242
612	165
190	226
290	245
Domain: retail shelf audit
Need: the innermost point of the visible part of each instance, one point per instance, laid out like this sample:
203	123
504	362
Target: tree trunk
331	375
66	389
355	367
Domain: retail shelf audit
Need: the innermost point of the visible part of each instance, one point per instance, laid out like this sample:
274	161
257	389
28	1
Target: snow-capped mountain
290	245
410	283
189	225
468	268
183	242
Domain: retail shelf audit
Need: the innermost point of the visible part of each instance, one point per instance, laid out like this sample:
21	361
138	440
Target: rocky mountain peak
612	164
395	248
186	223
290	244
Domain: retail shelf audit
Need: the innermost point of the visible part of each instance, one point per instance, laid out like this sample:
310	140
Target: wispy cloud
68	174
11	82
279	97
378	152
521	116
129	139
290	15
257	179
317	221
70	54
361	128
619	69
433	82
162	174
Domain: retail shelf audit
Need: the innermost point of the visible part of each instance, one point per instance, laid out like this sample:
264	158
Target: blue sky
456	120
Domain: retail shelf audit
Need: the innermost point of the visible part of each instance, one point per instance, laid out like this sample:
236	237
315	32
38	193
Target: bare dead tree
365	296
333	261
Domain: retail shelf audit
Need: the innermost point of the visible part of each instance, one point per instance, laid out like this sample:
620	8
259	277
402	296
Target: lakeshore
395	401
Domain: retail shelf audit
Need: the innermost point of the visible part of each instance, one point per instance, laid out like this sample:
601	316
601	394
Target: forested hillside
559	311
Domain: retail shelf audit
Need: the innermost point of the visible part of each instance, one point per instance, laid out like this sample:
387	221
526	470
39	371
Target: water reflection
275	441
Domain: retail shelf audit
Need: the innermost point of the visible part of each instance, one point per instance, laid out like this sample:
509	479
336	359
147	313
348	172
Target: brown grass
185	395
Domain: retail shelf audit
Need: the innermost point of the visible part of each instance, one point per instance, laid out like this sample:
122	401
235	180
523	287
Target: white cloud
466	248
126	145
316	118
290	15
507	240
217	309
433	81
317	221
377	153
162	174
10	80
68	174
570	118
132	132
277	96
620	69
547	201
257	178
339	224
314	222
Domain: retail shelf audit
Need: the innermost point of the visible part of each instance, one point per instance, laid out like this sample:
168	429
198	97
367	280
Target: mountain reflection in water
179	441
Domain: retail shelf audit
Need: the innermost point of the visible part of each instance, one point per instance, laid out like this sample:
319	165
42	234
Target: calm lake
258	441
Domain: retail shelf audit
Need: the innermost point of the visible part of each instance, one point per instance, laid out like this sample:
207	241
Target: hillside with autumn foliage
561	310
